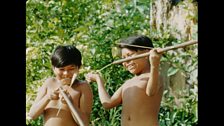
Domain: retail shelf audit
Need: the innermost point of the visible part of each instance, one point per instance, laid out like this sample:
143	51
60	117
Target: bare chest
72	94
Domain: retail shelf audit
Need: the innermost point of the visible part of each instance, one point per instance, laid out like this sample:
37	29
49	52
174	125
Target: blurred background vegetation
94	27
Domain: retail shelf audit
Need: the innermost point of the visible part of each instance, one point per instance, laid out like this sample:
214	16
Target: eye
128	55
71	69
61	69
131	54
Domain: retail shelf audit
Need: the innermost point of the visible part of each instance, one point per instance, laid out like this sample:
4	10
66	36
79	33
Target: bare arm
153	84
106	100
86	102
40	103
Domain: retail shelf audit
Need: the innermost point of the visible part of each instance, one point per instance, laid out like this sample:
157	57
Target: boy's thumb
56	90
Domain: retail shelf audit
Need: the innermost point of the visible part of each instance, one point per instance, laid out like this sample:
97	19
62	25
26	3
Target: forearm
104	96
38	107
153	81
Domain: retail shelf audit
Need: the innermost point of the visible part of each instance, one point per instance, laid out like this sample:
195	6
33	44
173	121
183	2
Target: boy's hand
92	77
61	97
54	94
154	57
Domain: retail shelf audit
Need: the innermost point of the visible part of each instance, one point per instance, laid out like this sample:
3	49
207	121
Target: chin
135	72
132	71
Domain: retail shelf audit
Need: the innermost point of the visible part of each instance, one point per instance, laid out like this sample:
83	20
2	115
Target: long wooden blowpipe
159	51
74	112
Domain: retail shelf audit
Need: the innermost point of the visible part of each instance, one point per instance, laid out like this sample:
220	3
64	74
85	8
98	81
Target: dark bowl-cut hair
142	42
66	55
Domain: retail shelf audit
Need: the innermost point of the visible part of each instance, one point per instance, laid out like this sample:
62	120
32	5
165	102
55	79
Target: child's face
64	74
133	66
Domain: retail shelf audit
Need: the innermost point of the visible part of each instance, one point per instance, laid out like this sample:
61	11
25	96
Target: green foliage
179	112
94	27
36	122
182	110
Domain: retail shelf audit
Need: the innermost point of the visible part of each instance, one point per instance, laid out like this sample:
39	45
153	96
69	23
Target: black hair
138	40
66	55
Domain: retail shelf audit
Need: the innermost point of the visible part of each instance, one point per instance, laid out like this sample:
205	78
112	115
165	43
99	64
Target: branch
159	51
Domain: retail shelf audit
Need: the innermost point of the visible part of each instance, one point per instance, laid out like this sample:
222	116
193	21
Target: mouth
131	67
66	81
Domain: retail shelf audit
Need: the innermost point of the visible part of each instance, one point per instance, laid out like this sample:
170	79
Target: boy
66	61
141	95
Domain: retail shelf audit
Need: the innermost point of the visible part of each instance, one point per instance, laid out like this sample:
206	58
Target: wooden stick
134	45
60	106
72	81
71	107
159	51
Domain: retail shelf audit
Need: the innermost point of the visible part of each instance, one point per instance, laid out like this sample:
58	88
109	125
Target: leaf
172	71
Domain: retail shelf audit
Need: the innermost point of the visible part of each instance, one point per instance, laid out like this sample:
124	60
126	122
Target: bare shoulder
84	86
41	91
49	82
86	91
83	83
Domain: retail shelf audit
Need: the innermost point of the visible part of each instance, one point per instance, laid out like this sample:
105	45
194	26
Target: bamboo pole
74	112
159	51
72	81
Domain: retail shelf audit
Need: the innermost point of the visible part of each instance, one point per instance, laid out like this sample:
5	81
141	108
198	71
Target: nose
65	72
126	63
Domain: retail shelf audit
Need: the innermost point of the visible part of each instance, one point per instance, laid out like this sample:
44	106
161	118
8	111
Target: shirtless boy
141	95
66	61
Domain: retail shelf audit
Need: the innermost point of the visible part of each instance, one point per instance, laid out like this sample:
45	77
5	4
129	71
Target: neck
146	70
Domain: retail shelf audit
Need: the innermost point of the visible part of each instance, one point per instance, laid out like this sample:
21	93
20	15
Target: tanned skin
48	100
141	95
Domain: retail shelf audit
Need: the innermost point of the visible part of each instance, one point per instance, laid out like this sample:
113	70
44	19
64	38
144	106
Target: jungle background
94	27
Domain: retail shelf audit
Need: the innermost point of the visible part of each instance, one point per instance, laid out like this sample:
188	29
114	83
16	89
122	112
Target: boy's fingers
53	96
159	50
63	100
66	91
88	80
87	77
56	91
